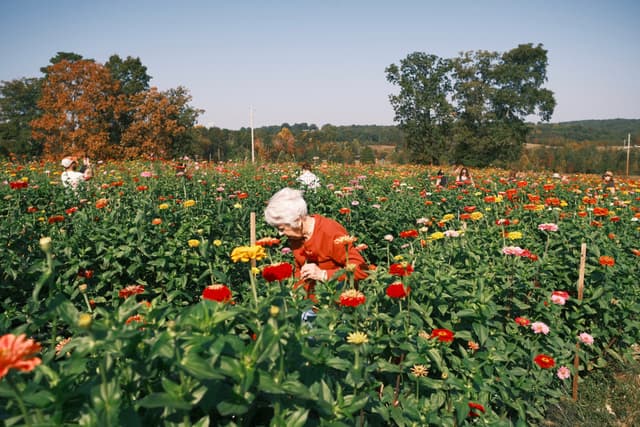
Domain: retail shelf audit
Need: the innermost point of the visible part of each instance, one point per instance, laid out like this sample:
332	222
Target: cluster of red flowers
17	185
55	218
131	290
279	271
217	292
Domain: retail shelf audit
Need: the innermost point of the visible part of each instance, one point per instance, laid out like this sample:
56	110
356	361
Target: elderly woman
312	238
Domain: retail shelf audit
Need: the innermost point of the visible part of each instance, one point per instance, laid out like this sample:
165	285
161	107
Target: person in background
312	239
307	178
608	183
464	178
441	179
72	178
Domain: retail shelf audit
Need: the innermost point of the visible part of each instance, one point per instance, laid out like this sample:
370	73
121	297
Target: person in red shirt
313	239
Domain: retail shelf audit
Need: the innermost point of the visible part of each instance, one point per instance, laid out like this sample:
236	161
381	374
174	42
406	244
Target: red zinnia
401	269
607	261
17	185
217	292
522	321
16	352
345	211
279	271
131	290
472	407
397	290
409	233
544	361
443	335
55	218
352	298
600	211
135	318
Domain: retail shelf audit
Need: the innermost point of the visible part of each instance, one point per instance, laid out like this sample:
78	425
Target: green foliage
165	356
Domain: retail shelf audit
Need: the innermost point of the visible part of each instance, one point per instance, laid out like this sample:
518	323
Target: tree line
470	109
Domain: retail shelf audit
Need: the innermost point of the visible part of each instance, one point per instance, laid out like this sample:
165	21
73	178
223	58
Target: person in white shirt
71	178
308	178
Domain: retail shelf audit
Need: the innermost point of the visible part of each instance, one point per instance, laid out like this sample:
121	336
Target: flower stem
23	409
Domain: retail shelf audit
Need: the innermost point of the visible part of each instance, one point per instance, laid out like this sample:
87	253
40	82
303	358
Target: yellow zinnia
514	235
193	243
476	216
189	203
163	206
437	235
357	338
448	217
247	253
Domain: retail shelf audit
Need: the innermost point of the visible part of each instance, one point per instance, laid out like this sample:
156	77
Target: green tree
422	107
18	106
472	108
130	72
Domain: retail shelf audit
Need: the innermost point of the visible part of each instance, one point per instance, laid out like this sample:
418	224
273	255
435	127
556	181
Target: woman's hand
312	272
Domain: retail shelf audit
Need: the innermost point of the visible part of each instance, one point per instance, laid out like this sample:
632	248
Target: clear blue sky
323	61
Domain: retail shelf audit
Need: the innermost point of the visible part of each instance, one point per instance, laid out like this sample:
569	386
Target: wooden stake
576	359
252	235
583	261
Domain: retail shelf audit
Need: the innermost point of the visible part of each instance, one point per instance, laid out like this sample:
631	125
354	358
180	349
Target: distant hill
606	132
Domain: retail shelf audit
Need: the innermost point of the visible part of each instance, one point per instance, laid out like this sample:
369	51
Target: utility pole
253	157
628	151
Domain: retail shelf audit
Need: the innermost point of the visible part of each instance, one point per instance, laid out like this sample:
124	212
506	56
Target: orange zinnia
16	352
607	261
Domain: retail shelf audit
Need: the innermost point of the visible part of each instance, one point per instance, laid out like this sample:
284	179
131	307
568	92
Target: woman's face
292	232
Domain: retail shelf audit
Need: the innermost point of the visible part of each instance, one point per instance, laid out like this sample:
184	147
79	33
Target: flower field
143	300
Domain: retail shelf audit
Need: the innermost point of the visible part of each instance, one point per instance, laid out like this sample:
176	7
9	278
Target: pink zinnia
586	338
540	328
16	352
563	372
548	227
513	250
559	297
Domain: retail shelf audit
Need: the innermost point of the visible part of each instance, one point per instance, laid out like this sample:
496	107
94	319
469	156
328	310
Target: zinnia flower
540	328
407	234
193	243
247	253
397	290
217	292
268	241
278	271
563	372
443	335
475	406
401	269
16	353
345	240
544	361
189	203
522	321
548	227
586	338
514	235
352	298
419	371
357	338
131	290
559	297
607	261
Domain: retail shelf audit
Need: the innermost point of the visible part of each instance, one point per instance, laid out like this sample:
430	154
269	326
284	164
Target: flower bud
45	244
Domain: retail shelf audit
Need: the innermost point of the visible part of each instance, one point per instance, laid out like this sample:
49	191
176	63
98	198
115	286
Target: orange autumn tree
79	103
284	144
154	127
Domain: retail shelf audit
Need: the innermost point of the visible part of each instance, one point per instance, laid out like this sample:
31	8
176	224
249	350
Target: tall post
628	150
253	157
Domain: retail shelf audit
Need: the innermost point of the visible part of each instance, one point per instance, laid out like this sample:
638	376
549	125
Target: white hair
286	207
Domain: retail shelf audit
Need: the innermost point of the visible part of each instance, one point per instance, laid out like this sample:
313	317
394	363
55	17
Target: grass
606	397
